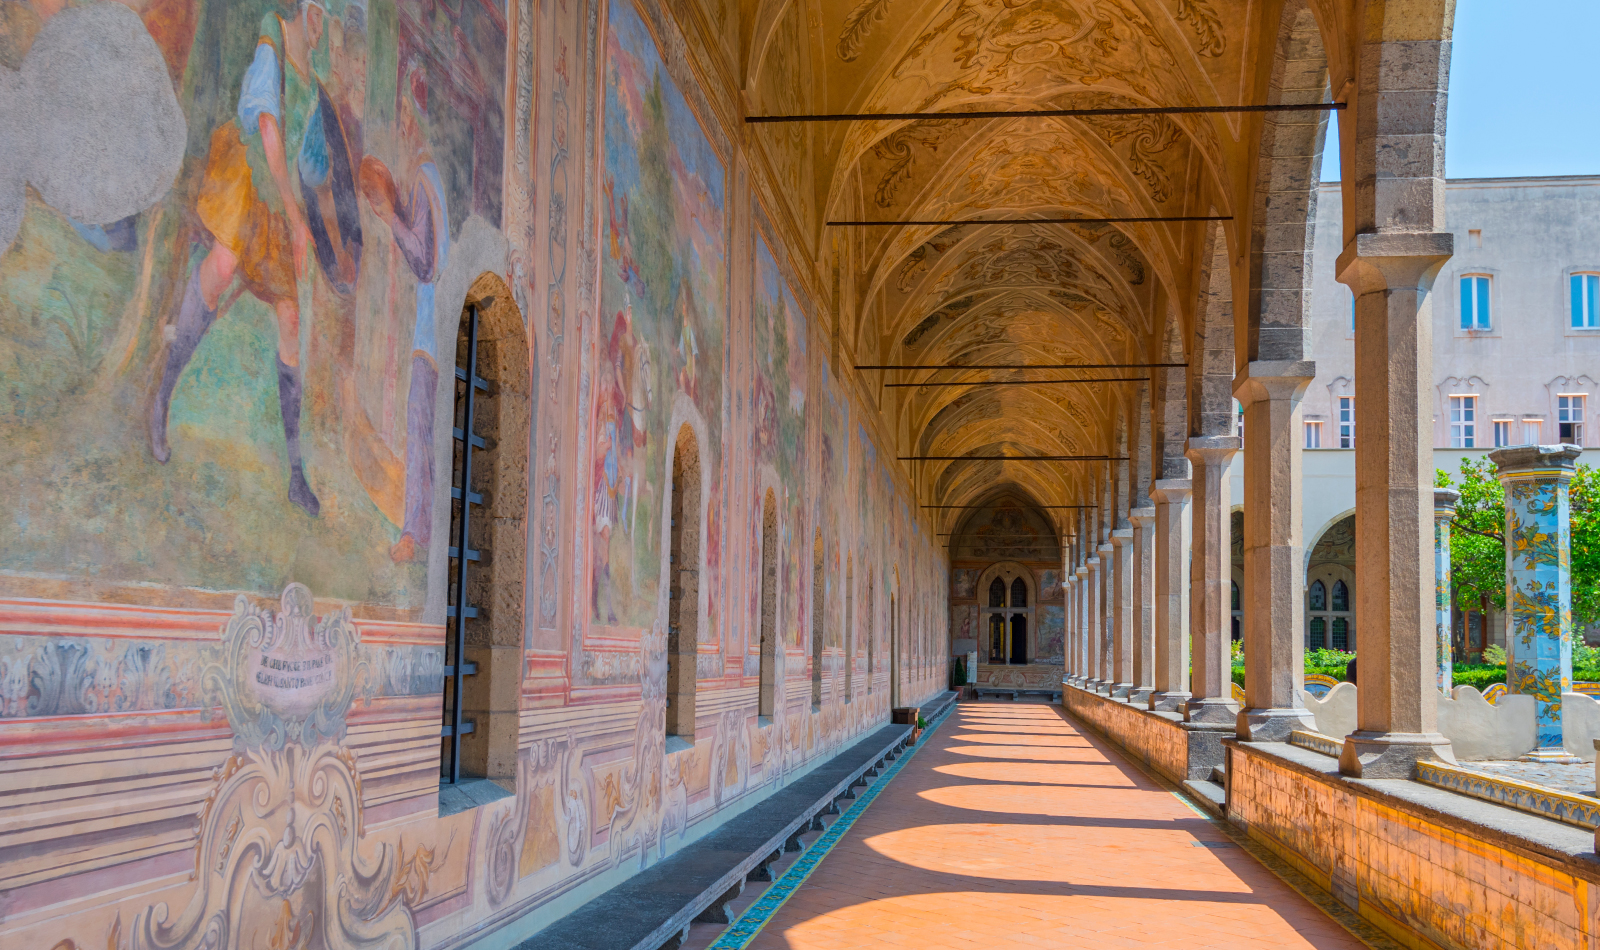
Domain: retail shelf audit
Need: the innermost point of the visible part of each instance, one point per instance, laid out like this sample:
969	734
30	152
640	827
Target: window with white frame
1502	433
1569	418
1313	435
1586	301
1530	431
1475	302
1463	422
1347	422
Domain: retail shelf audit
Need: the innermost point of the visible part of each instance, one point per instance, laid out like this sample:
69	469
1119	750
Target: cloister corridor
1013	827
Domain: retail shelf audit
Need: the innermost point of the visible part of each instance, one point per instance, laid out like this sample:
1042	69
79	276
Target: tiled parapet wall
1429	867
1152	738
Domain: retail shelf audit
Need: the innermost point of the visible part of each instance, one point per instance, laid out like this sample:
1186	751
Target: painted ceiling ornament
1207	25
858	25
280	858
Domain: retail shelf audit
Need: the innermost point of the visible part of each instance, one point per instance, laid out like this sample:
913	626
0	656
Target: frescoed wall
233	272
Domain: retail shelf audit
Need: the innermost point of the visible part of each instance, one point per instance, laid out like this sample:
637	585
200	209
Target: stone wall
1430	868
1153	738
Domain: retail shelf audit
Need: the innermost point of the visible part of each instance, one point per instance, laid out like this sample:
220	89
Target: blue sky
1523	90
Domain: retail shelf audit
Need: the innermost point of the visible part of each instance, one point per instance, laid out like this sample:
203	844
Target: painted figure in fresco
259	230
621	435
421	231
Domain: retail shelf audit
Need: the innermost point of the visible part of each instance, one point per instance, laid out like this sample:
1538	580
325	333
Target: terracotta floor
1010	828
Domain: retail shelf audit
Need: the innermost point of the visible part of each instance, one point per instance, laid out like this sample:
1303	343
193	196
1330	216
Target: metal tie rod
1012	458
944	221
1021	365
1045	113
1016	382
1010	506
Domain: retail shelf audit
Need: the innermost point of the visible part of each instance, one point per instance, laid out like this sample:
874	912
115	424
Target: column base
1140	697
1273	724
1121	690
1168	701
1553	755
1392	754
1214	710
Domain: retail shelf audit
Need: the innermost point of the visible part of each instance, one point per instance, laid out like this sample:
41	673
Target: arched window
1019	593
1319	596
1235	595
768	697
1328	615
683	599
997	593
489	436
818	600
1341	597
1019	638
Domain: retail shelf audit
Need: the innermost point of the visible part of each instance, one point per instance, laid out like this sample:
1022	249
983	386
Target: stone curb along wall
1428	879
227	451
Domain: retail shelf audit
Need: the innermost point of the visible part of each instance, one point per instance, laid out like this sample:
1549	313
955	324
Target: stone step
1208	795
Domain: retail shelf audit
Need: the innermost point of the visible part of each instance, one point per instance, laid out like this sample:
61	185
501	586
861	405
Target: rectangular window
1569	419
1530	431
1474	302
1347	422
1463	422
1502	433
1313	435
1585	295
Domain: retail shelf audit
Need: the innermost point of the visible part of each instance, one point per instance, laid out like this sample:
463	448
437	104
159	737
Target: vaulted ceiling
1008	293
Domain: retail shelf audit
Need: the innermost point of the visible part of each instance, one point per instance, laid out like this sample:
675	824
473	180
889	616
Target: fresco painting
779	406
231	282
663	296
247	342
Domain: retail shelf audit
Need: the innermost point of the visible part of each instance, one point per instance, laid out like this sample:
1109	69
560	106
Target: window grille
463	498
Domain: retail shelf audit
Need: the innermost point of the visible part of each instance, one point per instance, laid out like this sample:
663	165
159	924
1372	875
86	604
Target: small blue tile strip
742	931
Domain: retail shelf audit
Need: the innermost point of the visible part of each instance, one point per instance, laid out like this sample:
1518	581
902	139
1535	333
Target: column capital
1104	548
1143	517
1531	461
1170	490
1121	536
1385	260
1264	380
1212	449
1444	504
1082	572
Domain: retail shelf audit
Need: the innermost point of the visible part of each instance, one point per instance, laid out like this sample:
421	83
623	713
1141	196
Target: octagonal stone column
1397	710
1274	559
1538	537
1444	512
1121	612
1143	598
1171	607
1211	583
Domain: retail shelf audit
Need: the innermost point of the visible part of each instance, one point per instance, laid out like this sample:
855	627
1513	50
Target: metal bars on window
467	386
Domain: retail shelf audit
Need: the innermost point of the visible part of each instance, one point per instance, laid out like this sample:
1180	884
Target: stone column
1143	597
1171	646
1444	512
1274	559
1397	711
1102	626
1211	583
1539	584
1069	594
1092	626
1122	644
1081	611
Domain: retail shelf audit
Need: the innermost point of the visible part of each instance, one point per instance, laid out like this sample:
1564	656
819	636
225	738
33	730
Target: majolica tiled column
1539	583
1211	583
1143	596
1444	512
1122	612
1171	647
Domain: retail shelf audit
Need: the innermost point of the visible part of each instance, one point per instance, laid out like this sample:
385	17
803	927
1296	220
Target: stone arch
1277	324
1211	346
1330	562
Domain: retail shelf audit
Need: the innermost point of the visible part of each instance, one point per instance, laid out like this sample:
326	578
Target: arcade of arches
766	422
